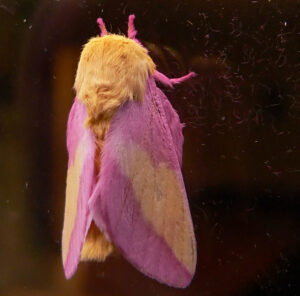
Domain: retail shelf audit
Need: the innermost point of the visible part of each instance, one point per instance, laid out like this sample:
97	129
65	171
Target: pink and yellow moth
125	189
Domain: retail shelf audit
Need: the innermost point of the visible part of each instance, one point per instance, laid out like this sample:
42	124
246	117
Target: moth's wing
80	182
173	122
140	200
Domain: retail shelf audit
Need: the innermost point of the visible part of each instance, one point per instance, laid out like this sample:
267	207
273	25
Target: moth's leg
171	81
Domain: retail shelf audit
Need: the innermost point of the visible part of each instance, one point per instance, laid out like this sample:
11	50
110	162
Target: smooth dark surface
241	155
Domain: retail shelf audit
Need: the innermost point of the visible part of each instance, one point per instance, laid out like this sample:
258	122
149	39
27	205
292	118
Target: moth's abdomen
96	247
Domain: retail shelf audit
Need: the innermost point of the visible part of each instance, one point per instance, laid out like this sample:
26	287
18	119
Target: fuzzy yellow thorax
111	70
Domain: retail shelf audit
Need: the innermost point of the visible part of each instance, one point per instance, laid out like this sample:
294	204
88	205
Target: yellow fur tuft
95	247
111	70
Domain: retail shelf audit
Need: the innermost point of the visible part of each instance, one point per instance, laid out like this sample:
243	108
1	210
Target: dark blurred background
241	154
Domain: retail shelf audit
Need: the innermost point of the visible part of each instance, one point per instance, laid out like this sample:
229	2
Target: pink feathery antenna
101	26
131	29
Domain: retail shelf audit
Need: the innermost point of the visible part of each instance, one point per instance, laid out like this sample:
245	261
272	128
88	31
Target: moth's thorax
111	69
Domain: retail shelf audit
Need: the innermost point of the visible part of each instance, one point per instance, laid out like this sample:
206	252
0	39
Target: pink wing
140	199
80	182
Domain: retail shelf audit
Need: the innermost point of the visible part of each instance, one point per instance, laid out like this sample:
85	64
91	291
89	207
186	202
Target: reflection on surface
241	165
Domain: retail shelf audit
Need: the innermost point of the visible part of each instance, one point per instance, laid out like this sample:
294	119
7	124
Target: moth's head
113	66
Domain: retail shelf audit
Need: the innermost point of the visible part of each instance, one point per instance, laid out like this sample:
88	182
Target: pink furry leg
171	81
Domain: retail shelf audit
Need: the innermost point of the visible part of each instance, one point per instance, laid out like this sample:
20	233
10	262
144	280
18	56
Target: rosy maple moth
125	189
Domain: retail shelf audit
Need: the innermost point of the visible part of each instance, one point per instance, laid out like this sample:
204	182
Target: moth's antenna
131	29
101	26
